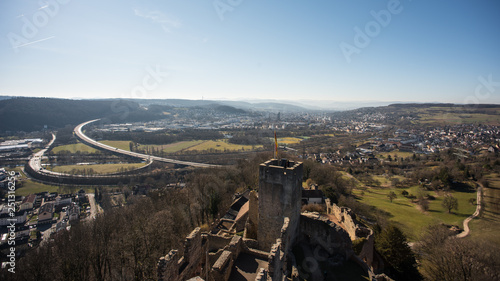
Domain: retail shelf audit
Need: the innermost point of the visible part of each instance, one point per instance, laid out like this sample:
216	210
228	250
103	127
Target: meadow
487	226
221	146
444	115
83	148
172	147
289	140
74	148
124	145
29	186
98	168
408	215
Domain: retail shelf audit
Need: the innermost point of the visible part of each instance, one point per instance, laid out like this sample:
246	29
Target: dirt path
476	213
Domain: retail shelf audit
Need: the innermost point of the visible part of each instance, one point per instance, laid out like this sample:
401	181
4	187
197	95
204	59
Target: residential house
312	196
73	212
22	231
63	200
17	218
82	198
28	202
46	213
61	225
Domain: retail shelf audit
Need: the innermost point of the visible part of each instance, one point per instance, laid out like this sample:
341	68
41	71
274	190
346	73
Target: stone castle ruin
272	229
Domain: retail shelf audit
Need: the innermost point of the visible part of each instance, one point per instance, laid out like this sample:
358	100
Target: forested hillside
31	114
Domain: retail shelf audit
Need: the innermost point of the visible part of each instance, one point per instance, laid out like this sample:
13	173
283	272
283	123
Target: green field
30	187
288	140
172	147
99	168
400	154
457	116
221	146
74	148
83	148
124	145
408	215
487	226
178	146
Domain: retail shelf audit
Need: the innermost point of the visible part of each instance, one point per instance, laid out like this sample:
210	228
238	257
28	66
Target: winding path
476	213
85	139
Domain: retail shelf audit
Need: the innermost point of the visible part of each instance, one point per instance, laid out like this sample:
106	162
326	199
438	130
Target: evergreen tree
393	246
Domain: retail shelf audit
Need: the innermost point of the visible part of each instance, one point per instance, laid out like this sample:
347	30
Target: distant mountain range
265	104
30	114
243	105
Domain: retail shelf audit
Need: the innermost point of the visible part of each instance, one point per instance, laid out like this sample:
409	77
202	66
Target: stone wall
280	183
167	266
348	219
367	252
275	260
262	275
356	231
277	257
173	268
252	222
221	269
330	236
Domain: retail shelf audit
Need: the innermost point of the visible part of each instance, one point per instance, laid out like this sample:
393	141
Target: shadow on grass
491	213
356	197
402	204
450	213
463	187
490	219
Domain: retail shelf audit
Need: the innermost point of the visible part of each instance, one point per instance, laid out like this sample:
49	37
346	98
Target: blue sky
427	51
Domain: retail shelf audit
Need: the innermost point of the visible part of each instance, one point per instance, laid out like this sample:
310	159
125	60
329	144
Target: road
476	213
36	160
87	140
94	208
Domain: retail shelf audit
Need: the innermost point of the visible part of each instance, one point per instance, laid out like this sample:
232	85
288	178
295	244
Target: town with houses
38	216
376	135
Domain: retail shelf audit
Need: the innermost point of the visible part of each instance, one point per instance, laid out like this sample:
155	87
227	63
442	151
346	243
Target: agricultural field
98	168
400	154
74	148
442	115
83	148
172	147
124	145
221	146
408	215
487	226
288	140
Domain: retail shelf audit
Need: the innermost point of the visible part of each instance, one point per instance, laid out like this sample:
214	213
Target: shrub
314	208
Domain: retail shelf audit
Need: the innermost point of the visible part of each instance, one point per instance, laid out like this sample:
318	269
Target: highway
79	134
36	160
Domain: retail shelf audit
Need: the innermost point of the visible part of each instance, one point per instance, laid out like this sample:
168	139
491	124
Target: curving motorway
36	160
96	144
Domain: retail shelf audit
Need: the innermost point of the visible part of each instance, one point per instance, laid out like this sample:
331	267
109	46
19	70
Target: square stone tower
280	184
